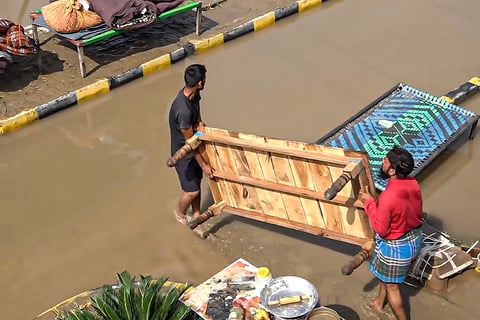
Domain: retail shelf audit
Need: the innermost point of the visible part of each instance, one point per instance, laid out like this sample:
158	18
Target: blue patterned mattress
415	120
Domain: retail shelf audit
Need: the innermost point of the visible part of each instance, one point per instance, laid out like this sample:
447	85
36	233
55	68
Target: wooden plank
328	157
283	173
285	188
267	198
216	164
303	179
351	220
322	177
297	226
274	199
215	189
364	179
205	151
242	169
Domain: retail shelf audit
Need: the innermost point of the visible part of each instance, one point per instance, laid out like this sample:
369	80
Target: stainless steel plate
289	286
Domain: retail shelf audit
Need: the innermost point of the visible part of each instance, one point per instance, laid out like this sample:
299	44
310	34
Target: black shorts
190	174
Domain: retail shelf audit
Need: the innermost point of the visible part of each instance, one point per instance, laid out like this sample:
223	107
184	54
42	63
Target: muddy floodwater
86	193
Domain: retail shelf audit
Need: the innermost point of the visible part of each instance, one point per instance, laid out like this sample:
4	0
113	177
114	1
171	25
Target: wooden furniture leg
358	259
213	210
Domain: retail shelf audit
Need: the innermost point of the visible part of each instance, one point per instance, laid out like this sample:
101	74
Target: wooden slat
266	167
288	189
214	188
268	199
216	164
350	217
277	149
225	157
364	179
283	172
297	226
302	179
323	179
241	168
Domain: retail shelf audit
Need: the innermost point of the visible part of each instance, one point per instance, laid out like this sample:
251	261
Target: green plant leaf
180	311
77	314
167	303
126	295
106	304
149	299
148	289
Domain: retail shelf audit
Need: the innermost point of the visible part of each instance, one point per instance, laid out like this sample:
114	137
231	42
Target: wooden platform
288	183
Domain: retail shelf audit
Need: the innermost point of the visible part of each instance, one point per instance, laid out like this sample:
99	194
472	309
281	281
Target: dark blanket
5	59
165	5
125	14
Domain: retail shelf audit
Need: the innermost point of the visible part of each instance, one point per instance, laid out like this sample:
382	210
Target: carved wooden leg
358	259
213	210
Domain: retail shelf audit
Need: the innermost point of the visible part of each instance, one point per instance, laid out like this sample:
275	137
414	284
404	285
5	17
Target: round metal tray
289	286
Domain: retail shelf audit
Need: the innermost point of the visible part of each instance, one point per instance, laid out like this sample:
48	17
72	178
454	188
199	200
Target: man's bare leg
186	199
395	300
379	301
196	205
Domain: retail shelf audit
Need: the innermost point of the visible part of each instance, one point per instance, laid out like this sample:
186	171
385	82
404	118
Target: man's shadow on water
158	34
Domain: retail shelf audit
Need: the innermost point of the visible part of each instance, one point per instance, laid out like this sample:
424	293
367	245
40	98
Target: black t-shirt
184	113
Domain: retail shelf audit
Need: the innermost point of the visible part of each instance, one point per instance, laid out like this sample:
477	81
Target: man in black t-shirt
184	118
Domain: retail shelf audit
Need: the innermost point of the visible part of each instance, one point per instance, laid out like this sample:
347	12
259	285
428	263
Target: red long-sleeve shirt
399	208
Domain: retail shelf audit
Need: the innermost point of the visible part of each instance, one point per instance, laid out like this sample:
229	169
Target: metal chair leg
198	19
38	49
472	130
81	62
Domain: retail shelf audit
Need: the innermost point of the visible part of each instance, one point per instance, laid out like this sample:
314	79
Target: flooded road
86	193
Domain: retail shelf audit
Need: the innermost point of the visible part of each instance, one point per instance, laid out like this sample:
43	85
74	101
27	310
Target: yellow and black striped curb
259	23
105	85
463	92
91	91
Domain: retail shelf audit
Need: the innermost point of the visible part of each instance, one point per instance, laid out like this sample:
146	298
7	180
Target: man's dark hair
401	160
194	73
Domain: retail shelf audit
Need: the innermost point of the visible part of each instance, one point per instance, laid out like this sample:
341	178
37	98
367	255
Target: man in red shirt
397	219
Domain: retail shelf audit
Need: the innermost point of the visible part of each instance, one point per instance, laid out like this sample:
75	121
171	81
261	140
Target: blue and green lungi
391	259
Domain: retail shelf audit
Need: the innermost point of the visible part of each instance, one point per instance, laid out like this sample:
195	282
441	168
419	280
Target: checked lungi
391	259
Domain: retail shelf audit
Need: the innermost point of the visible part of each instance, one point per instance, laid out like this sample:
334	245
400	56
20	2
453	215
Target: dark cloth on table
165	5
125	14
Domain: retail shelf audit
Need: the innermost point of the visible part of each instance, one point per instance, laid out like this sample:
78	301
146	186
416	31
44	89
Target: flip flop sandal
180	219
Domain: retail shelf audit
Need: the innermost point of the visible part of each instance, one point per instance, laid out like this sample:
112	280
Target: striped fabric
14	40
391	259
